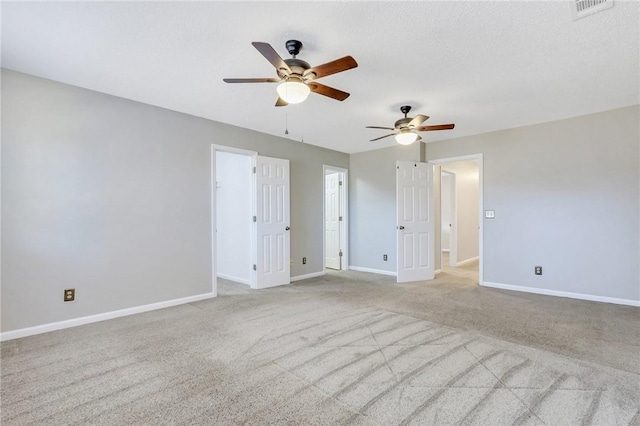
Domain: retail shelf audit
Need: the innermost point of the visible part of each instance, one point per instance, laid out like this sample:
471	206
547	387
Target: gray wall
372	206
566	197
112	197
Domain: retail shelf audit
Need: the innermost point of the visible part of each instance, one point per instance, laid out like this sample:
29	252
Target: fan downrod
293	47
405	110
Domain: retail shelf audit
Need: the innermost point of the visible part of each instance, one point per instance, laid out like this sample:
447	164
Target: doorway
234	207
250	229
335	240
459	241
447	216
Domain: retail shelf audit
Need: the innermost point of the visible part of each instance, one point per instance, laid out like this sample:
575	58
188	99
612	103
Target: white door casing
414	199
332	220
272	222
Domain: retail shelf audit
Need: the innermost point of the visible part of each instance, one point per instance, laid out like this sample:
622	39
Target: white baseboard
307	276
546	292
446	250
467	261
373	271
437	271
234	279
45	328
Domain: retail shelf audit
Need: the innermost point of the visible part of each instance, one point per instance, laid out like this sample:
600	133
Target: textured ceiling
482	65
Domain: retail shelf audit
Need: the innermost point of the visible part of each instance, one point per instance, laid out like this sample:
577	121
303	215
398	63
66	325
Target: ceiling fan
297	77
406	129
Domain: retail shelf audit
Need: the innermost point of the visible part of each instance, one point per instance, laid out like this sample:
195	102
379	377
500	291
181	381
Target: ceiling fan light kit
293	91
406	137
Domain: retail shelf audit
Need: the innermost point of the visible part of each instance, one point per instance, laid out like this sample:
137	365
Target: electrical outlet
384	257
538	270
304	260
70	295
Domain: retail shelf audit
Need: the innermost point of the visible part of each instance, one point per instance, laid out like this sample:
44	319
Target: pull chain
286	121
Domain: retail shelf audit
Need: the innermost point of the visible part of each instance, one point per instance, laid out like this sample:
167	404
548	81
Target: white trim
234	279
373	271
437	271
467	261
307	276
557	293
235	150
74	322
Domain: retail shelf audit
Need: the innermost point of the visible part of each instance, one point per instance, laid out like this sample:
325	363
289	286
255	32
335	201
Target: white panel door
272	222
415	221
332	214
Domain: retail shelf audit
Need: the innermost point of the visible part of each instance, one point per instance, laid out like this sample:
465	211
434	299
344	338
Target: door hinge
339	183
255	219
340	254
254	170
340	218
255	267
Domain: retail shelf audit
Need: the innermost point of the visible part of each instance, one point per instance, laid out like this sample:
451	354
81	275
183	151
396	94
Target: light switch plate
489	214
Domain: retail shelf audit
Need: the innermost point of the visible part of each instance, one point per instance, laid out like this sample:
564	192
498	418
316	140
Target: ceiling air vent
582	8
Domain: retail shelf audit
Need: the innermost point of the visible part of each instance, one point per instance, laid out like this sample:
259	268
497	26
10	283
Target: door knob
400	227
287	228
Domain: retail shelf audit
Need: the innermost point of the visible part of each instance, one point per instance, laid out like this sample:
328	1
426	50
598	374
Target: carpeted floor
345	348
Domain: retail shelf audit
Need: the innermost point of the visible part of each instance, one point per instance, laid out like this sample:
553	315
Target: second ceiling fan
405	129
297	77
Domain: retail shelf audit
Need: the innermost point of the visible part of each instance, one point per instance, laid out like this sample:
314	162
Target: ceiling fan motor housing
293	47
297	67
403	123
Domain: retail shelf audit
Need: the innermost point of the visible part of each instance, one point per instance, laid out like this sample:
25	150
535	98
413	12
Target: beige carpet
346	348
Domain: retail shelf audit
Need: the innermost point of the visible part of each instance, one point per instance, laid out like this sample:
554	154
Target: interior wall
372	206
234	216
467	186
566	197
113	198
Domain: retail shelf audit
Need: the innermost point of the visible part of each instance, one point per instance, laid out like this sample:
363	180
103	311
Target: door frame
479	159
344	226
214	240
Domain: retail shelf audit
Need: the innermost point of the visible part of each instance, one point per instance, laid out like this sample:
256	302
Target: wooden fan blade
382	137
250	80
332	67
328	91
418	120
272	56
281	102
376	127
436	127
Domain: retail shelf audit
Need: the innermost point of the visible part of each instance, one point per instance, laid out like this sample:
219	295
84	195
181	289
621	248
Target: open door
415	231
332	218
272	222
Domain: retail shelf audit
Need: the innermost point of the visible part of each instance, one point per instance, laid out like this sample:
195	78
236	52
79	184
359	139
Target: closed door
272	220
415	221
332	216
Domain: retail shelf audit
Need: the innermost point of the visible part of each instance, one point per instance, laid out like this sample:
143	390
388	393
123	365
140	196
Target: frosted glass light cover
293	92
406	138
